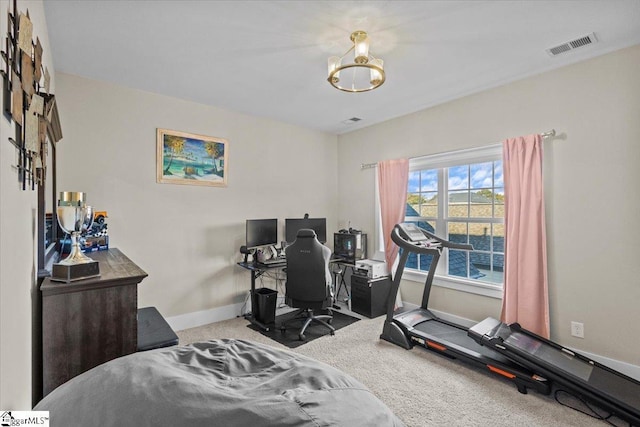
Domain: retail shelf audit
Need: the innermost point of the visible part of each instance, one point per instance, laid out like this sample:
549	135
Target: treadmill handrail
408	246
447	243
426	249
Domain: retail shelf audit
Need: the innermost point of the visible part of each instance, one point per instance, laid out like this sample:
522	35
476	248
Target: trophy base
71	272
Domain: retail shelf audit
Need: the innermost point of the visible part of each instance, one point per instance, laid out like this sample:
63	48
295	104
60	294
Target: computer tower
369	297
350	246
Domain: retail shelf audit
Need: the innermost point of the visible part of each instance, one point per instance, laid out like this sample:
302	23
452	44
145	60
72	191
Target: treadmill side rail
521	377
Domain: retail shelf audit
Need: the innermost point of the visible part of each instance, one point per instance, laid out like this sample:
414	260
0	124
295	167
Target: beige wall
187	237
591	180
18	264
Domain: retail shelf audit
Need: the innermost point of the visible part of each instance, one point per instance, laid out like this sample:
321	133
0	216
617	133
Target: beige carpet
422	388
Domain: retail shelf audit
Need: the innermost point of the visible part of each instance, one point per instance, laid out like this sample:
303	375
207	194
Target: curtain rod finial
548	134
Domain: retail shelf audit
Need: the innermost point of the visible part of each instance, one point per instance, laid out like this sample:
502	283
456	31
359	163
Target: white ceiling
269	58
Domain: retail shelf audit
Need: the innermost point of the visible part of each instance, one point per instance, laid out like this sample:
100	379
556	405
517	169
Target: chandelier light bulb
334	62
376	74
361	47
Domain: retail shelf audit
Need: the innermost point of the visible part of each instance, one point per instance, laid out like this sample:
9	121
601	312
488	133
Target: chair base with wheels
307	315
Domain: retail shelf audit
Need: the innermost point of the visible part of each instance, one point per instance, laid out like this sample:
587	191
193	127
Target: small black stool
153	330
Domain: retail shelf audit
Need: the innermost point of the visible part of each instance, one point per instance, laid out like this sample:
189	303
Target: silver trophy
74	217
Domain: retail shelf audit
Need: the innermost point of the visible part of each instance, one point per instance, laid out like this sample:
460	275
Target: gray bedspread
215	383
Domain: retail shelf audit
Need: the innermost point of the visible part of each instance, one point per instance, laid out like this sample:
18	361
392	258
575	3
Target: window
460	197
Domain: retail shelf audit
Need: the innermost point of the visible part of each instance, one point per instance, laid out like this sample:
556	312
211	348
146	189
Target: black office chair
309	281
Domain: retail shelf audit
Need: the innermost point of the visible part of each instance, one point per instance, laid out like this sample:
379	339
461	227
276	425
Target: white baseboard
627	369
199	318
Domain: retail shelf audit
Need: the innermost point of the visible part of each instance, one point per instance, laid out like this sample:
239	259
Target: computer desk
257	270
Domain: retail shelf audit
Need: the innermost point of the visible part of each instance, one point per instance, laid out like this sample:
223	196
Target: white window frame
439	161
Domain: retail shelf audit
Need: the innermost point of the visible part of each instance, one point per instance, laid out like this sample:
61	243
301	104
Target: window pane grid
422	197
467	202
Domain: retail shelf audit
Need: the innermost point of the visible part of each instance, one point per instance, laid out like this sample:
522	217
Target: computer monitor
261	232
292	225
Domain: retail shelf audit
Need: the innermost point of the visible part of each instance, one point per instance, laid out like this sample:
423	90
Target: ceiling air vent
351	121
573	44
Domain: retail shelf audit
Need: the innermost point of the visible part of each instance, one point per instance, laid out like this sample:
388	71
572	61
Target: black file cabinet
369	297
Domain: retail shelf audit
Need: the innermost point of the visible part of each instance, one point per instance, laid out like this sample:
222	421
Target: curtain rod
548	134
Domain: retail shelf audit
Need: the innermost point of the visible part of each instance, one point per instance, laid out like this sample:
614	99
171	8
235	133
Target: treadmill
420	326
569	370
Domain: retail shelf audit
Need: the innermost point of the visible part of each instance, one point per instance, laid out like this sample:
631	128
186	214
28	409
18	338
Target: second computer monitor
261	232
292	225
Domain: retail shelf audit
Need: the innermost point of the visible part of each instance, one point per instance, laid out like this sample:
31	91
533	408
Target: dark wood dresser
89	322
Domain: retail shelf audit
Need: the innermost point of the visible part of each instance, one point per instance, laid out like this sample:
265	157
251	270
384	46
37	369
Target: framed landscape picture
186	158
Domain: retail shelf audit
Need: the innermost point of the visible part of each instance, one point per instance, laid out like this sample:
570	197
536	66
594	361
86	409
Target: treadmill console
411	232
411	237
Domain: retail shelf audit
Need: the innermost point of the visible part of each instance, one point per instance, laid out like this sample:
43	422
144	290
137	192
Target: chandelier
364	73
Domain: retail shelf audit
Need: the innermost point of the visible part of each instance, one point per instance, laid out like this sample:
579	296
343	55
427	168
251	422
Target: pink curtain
393	177
525	299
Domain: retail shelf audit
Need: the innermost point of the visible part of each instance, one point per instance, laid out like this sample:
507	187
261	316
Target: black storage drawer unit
369	296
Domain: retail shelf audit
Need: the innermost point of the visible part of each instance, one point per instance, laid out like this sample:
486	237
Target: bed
215	383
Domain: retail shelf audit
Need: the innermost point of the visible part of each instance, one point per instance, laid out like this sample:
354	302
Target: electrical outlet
577	329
